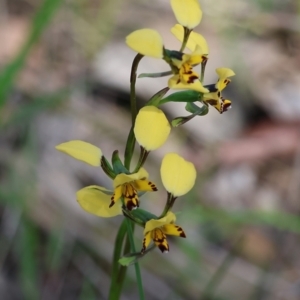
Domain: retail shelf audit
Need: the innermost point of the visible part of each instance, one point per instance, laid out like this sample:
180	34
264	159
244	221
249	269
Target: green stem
118	272
130	228
134	67
169	204
203	65
131	137
129	149
143	156
185	38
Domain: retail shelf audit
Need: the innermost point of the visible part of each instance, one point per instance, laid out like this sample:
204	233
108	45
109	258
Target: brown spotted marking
112	201
131	197
180	230
192	79
153	186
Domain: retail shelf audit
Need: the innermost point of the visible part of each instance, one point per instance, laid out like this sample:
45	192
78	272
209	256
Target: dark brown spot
181	232
163	248
131	204
153	186
192	78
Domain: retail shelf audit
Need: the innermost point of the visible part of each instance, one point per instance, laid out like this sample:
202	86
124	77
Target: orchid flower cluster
151	128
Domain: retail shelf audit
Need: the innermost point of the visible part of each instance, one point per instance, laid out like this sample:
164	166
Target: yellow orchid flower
195	39
94	200
151	128
125	185
177	174
157	230
187	12
128	185
186	77
149	42
83	151
215	98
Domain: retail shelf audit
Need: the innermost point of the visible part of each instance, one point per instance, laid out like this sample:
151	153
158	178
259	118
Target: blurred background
64	74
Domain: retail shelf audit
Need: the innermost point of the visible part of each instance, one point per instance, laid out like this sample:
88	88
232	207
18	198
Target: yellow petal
146	241
172	229
194	39
160	240
169	218
177	174
83	151
224	73
211	96
178	32
118	192
147	42
196	85
93	200
131	197
124	178
187	12
144	186
151	128
195	58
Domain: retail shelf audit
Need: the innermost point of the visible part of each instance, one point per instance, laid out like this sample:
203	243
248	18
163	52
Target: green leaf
105	165
128	259
183	96
191	107
155	75
132	258
143	215
155	99
173	54
129	148
194	109
118	272
181	120
117	164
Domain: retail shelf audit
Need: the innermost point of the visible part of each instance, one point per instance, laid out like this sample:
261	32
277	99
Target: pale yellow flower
94	200
151	128
177	174
83	151
147	42
187	12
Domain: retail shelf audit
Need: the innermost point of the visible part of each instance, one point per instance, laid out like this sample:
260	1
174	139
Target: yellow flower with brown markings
157	230
128	186
187	78
214	97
